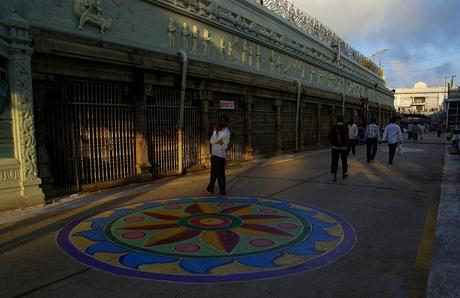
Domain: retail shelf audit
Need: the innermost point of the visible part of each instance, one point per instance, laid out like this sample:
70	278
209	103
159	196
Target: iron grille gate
288	125
309	124
325	123
91	135
263	126
162	111
236	125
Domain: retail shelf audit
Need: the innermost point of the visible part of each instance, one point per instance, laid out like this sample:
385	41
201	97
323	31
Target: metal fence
325	122
162	112
263	126
91	136
309	124
288	125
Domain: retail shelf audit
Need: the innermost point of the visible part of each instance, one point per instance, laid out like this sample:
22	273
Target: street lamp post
378	53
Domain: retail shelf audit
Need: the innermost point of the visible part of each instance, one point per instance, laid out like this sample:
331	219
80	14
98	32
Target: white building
420	99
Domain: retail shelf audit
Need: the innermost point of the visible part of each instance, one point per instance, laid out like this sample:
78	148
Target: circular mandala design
208	239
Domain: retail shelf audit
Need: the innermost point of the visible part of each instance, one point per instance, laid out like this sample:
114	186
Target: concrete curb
444	276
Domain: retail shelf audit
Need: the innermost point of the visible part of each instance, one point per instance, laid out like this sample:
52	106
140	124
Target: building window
6	131
418	100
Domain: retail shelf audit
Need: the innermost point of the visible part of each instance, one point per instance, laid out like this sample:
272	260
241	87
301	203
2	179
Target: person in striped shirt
372	139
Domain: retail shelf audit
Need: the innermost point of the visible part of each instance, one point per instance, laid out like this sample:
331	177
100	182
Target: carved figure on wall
185	36
206	41
171	33
251	55
258	57
253	29
287	68
222	48
279	64
244	52
312	75
195	34
272	61
212	11
230	51
90	11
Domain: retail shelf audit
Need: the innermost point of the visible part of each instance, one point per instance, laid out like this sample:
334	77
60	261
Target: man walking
353	136
372	138
219	142
338	137
393	135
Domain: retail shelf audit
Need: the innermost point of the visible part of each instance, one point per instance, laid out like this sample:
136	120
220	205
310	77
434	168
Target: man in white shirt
353	136
219	142
392	134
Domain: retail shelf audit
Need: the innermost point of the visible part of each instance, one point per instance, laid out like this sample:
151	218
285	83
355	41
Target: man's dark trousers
371	144
217	172
392	149
351	146
335	154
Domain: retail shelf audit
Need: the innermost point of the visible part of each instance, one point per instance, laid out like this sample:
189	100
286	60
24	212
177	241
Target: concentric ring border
347	244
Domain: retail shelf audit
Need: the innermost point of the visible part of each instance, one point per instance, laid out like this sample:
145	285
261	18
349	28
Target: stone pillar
278	124
20	74
333	117
143	166
248	152
318	124
301	126
205	155
380	115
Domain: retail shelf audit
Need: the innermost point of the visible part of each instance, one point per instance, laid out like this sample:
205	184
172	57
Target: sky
423	36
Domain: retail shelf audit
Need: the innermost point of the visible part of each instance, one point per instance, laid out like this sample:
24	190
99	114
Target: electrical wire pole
445	83
445	103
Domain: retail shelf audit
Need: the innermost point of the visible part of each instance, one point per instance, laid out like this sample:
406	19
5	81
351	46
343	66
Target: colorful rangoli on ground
208	239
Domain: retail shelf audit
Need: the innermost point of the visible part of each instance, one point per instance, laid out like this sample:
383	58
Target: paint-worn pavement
386	204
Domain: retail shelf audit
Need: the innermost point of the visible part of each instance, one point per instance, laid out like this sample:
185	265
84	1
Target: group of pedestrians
343	139
415	132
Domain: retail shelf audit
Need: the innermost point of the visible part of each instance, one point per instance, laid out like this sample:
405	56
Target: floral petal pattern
221	240
208	239
260	230
172	235
237	210
201	208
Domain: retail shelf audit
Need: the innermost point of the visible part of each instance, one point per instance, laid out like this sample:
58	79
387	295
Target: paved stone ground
445	263
386	205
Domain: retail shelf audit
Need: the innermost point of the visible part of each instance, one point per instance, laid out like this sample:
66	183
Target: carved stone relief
171	33
195	35
185	36
9	175
90	11
206	41
23	101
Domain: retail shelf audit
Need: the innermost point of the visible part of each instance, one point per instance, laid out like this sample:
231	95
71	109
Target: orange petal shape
260	230
165	224
166	215
237	210
171	236
221	240
201	208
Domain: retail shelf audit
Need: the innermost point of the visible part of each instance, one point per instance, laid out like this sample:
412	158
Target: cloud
423	35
